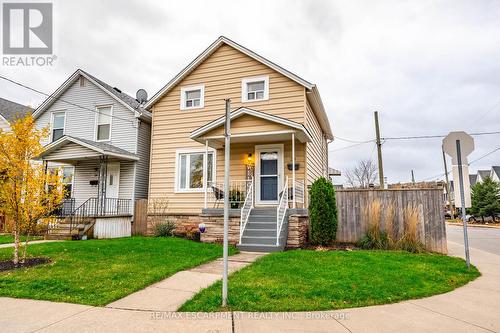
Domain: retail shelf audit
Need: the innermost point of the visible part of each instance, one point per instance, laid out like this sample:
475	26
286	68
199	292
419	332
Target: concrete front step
259	232
262	218
260	248
57	237
258	240
260	225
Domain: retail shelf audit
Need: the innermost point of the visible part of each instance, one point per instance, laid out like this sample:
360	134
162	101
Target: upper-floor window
255	89
58	123
192	97
103	123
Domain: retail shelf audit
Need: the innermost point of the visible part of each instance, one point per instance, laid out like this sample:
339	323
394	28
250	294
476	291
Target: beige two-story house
279	139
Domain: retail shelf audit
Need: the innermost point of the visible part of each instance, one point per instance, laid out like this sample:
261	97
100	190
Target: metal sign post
462	199
227	161
459	145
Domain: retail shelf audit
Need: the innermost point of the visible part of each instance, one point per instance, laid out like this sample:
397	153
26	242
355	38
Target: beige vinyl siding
221	73
248	124
142	169
316	158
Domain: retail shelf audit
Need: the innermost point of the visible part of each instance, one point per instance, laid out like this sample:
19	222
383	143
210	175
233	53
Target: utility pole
447	188
379	151
412	177
227	160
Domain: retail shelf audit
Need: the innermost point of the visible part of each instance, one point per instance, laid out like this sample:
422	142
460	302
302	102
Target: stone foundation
298	229
187	226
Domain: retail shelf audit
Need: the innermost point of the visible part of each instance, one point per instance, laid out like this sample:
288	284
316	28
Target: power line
471	162
435	136
353	141
351	146
60	99
485	155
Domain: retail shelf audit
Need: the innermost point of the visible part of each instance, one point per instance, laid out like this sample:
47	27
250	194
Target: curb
474	225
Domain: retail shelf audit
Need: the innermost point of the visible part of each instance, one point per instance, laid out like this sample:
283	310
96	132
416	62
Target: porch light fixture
202	227
249	159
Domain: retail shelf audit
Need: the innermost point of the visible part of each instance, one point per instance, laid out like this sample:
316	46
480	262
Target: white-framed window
189	170
67	174
103	128
255	89
193	97
58	125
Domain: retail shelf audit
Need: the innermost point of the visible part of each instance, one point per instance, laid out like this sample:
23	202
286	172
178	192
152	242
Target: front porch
98	189
267	189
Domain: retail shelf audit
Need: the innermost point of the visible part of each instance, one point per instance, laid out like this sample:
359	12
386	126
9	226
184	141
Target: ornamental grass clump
374	238
386	237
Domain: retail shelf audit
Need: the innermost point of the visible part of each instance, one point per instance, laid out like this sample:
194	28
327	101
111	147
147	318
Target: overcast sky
428	67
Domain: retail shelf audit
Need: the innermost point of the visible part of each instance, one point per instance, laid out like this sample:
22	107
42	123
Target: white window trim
244	88
200	87
52	123
179	152
62	175
97	122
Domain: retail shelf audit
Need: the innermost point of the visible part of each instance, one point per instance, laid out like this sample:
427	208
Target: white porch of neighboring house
99	179
267	175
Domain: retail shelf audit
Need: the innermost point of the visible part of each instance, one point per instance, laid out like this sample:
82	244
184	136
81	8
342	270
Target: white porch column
293	169
205	174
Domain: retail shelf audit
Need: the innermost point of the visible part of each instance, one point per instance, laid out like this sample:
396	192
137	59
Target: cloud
429	67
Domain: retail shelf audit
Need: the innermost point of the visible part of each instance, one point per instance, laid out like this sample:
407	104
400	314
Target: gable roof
495	169
482	174
302	134
11	111
313	94
472	179
129	102
98	147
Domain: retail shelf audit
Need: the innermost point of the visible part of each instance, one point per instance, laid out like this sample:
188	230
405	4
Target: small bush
322	212
164	229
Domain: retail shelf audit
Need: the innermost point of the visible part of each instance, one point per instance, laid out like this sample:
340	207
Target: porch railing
246	209
281	211
66	207
238	190
95	207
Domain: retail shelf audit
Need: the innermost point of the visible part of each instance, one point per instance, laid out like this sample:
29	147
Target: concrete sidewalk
171	293
2	246
472	308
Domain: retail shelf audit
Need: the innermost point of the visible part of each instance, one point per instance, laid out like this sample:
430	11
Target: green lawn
6	239
304	280
97	272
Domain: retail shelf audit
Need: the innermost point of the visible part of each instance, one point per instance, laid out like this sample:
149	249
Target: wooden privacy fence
353	220
140	225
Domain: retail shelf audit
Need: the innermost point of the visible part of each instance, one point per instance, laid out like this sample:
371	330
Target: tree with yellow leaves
25	194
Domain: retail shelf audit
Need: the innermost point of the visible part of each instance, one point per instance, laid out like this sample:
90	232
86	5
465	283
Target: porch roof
69	148
249	125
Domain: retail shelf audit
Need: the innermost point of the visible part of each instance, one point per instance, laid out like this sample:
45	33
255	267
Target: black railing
95	207
66	207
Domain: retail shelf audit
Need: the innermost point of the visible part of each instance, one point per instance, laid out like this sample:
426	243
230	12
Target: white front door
268	174
112	186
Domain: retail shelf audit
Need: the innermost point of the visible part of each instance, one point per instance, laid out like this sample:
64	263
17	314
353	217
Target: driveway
472	308
486	239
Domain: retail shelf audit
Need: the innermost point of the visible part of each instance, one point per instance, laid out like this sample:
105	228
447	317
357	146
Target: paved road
485	239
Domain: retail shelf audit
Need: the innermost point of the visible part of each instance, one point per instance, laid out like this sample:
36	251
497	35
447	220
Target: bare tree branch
362	175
